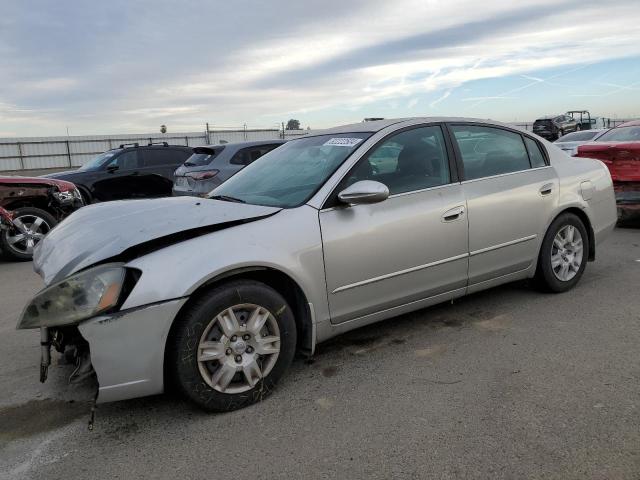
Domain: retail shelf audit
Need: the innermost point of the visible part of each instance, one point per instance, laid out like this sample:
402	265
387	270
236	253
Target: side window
488	151
411	160
241	157
158	157
126	161
535	154
251	154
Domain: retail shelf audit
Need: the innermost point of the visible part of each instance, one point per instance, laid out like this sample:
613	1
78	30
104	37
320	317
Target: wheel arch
582	215
87	198
283	283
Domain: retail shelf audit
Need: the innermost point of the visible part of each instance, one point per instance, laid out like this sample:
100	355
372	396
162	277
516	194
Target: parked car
209	166
554	127
570	142
129	171
31	207
216	294
619	149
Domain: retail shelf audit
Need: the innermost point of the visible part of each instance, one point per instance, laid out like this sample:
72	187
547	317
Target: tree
293	124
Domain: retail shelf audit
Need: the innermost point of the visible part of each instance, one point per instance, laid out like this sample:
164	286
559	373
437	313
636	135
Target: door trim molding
398	273
502	245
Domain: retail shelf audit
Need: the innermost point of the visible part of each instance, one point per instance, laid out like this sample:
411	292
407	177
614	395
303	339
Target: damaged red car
29	208
619	149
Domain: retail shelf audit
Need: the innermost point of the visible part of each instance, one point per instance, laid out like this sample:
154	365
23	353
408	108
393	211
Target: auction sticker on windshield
343	142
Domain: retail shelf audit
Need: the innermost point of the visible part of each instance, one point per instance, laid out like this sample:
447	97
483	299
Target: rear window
203	156
542	122
621	134
578	136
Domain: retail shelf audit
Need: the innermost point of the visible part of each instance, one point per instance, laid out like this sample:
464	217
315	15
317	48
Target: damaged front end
82	312
58	309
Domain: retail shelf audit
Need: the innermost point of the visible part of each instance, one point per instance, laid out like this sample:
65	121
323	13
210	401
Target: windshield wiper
226	198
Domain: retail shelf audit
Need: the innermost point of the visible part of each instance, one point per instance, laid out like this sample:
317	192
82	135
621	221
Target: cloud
133	65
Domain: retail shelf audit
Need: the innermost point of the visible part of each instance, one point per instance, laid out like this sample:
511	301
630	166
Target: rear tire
231	346
18	243
563	254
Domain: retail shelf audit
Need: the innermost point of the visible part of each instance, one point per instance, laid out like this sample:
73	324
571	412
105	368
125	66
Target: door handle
546	189
453	214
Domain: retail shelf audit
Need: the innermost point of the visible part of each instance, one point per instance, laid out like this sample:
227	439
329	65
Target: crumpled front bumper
127	349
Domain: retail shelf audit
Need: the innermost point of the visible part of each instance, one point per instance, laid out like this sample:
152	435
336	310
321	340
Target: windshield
98	161
203	156
289	175
621	134
578	136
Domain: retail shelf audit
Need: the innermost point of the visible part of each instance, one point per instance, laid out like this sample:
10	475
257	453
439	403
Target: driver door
406	250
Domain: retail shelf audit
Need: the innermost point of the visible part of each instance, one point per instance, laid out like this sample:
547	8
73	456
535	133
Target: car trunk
622	159
542	126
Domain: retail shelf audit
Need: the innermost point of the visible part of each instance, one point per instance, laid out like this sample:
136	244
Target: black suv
130	171
553	127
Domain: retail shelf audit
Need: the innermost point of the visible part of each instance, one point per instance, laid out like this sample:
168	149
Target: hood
64	174
130	228
15	180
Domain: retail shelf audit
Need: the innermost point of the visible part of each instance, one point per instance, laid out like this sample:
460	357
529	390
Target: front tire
232	345
563	255
30	226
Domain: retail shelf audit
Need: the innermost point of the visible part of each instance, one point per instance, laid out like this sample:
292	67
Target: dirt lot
508	383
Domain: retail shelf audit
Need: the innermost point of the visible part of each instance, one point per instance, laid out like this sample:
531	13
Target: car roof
253	143
378	125
632	123
126	146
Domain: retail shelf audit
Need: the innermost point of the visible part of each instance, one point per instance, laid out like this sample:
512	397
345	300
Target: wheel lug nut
249	349
233	338
238	358
246	336
228	352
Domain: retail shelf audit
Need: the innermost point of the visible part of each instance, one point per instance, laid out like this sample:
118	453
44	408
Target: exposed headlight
67	197
75	298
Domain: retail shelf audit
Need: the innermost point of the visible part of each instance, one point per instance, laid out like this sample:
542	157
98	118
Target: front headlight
67	197
75	298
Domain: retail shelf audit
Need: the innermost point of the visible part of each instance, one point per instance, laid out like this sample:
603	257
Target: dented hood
129	228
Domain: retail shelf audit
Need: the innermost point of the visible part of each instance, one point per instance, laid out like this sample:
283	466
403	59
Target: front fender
289	242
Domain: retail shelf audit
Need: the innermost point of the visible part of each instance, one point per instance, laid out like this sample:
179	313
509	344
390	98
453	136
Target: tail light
202	175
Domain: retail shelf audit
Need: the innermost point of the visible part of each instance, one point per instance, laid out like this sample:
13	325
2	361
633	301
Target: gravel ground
507	383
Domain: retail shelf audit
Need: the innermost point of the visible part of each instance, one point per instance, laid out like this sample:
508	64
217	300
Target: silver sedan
330	232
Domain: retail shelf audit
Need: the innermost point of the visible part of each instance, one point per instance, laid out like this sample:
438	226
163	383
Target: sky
129	66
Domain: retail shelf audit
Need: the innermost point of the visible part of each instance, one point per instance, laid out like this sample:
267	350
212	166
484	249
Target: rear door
510	192
408	248
118	178
156	175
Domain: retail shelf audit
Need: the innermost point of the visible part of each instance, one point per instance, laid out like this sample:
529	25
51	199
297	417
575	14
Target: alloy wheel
567	253
27	231
239	347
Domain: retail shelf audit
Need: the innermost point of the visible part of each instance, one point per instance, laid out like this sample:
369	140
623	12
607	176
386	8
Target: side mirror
112	168
364	191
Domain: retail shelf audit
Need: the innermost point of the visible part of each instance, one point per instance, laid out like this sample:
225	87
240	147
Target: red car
29	208
619	149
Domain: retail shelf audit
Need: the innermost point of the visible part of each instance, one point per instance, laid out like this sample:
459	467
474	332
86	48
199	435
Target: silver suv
209	166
